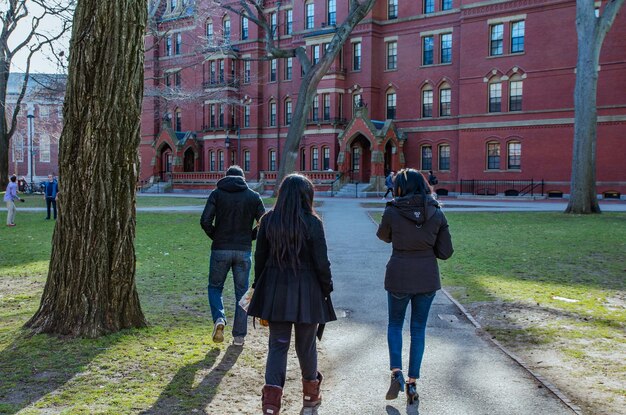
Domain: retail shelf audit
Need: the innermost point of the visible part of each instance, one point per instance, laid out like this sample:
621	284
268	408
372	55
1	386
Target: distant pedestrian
389	184
228	219
432	179
418	231
10	197
292	286
50	192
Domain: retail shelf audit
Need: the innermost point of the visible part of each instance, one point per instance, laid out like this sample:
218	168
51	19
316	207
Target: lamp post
227	145
31	132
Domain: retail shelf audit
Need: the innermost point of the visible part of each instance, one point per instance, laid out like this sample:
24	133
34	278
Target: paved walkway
462	373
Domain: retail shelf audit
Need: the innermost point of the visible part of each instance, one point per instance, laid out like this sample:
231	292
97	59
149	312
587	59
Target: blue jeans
420	306
221	262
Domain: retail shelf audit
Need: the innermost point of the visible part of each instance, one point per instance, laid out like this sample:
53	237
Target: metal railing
498	187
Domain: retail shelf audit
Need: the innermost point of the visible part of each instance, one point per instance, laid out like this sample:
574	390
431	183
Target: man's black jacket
230	213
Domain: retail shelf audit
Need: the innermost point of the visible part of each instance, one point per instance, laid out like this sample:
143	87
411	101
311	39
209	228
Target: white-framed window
315	52
179	44
274	25
429	6
392	55
517	36
515	95
357	101
445	101
446	48
495	97
391	105
288	69
309	15
315	159
272	113
289	22
209	32
427	157
428	45
247	70
226	30
168	45
273	69
244	28
17	142
392	9
271	160
496	35
220	160
44	148
212	160
246	160
493	156
332	12
326	112
427	103
356	56
288	111
446	4
325	158
179	120
316	108
444	157
514	155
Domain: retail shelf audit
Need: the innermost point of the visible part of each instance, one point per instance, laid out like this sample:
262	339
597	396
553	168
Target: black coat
419	235
229	214
287	295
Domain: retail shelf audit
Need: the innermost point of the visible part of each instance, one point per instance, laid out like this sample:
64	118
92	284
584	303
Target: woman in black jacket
292	286
418	232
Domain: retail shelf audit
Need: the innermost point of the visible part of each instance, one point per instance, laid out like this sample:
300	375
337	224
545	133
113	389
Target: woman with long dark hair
292	286
418	231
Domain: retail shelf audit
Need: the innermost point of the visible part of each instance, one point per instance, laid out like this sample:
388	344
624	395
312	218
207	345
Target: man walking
227	219
51	188
10	197
389	185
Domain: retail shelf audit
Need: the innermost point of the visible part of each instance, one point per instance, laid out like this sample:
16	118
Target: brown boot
311	394
271	399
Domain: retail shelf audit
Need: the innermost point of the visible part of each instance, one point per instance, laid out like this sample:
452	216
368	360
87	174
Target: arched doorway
165	162
360	159
388	164
189	161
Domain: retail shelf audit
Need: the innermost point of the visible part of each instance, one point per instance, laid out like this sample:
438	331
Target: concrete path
462	373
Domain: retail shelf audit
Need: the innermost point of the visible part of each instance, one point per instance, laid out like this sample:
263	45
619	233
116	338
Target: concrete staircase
354	190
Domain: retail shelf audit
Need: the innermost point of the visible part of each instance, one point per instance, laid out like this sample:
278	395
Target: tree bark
91	289
591	32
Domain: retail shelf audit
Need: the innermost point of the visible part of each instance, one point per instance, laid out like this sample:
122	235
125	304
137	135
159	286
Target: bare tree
313	74
591	32
90	290
14	17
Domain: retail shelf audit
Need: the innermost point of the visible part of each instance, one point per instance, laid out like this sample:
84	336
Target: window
179	43
325	158
391	105
221	69
168	46
514	153
446	48
221	117
246	160
177	79
444	157
495	97
220	160
515	96
231	111
429	6
497	33
315	52
427	158
246	116
44	148
392	9
271	165
445	98
517	37
357	102
212	160
273	25
356	56
427	50
309	15
212	72
244	28
273	69
315	159
446	4
332	12
392	55
326	98
247	70
226	30
179	120
212	115
44	111
288	109
356	159
289	25
493	156
302	159
288	69
427	103
272	114
209	33
18	148
316	107
340	106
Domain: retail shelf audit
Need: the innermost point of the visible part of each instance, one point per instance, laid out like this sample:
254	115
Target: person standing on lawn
228	219
292	286
50	191
10	197
418	231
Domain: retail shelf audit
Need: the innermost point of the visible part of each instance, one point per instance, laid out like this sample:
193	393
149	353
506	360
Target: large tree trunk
591	32
90	289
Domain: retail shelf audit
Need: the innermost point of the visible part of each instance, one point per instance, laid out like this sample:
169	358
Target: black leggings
389	190
306	349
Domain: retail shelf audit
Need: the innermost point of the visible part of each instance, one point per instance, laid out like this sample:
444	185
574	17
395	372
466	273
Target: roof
36	81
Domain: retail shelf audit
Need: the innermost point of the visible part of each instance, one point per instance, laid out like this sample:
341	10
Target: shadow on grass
195	385
33	366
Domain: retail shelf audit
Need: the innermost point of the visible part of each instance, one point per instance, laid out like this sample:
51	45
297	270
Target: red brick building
471	90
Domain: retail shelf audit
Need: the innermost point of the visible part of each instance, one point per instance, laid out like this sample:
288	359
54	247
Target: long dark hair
285	225
411	182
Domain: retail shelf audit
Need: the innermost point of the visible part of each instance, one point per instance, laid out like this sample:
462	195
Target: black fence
498	187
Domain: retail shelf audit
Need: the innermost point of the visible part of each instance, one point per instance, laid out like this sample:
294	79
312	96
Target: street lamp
227	141
31	132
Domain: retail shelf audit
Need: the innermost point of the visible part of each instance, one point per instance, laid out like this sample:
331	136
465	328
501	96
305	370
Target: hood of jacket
232	184
414	207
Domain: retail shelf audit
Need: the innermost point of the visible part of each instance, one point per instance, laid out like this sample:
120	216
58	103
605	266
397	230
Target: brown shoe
271	399
311	393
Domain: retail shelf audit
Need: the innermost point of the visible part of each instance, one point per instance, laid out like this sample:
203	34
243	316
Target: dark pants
53	202
306	349
389	190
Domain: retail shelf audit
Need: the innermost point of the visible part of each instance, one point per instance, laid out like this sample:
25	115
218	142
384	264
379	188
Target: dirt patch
589	369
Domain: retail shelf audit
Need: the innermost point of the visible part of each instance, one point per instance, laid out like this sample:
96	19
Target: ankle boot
396	386
311	394
411	393
271	399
